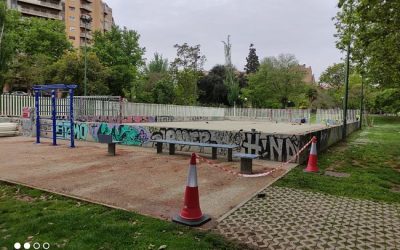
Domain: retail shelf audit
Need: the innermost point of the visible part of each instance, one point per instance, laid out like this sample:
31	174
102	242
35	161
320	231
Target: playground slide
8	129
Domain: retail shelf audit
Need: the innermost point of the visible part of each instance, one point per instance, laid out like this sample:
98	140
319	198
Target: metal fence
11	105
335	116
112	109
281	115
84	107
146	109
98	108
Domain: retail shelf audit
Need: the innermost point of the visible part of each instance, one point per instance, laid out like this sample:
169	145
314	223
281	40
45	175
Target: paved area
294	219
263	126
136	179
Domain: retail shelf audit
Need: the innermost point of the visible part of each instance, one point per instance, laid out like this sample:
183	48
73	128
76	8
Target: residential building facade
51	9
71	12
308	74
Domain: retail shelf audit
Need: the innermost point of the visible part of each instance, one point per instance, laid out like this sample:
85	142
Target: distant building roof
308	76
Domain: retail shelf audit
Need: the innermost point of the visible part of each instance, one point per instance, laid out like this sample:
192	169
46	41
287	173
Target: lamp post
346	82
86	19
362	99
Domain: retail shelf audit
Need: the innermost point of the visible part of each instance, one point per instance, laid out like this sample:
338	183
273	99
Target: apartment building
308	74
51	9
73	13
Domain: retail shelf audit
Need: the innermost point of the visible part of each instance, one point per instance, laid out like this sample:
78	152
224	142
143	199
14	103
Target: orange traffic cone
312	159
191	214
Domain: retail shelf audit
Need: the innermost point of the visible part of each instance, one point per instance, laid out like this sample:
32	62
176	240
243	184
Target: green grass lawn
370	156
35	216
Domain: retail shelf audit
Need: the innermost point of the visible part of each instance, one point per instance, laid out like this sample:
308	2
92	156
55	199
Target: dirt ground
228	125
136	179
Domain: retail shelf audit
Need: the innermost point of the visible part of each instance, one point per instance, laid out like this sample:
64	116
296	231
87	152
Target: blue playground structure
66	110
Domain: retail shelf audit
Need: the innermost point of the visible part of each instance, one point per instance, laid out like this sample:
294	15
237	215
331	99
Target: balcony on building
56	5
82	42
86	6
88	35
39	13
87	26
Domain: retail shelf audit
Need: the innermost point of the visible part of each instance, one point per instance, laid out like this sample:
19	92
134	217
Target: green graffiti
128	135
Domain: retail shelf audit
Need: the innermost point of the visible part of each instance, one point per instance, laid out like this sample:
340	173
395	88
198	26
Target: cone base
311	171
178	219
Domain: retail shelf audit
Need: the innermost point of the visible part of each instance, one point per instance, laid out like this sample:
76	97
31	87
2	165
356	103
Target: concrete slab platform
136	179
228	125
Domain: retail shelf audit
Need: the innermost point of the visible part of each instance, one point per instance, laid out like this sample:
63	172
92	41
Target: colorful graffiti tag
63	130
126	134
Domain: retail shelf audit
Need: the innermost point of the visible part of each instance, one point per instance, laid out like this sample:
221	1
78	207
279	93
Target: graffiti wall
271	147
126	134
276	147
327	137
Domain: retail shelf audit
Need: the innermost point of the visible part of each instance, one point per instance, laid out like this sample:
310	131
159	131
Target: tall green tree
157	65
27	70
156	70
164	91
278	81
372	28
252	61
333	76
156	85
41	36
388	101
186	71
70	69
188	57
28	47
212	89
119	50
8	38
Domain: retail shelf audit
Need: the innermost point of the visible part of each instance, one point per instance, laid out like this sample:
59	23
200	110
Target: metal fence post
37	107
71	116
53	116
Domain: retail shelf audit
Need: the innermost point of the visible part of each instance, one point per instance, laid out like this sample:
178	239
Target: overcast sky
300	27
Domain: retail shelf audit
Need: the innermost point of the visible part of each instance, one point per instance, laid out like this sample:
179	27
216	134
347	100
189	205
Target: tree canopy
333	76
186	71
372	28
212	89
119	50
278	81
70	69
28	46
253	63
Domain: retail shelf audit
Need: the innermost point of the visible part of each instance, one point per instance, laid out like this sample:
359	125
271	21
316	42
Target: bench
213	147
111	143
246	162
